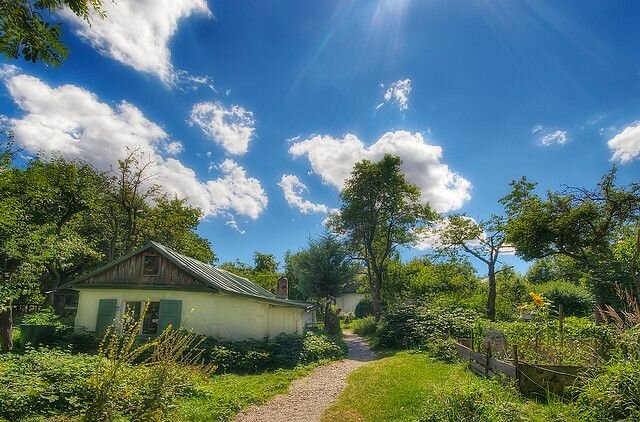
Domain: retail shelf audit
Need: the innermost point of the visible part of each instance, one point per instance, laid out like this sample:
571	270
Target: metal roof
210	276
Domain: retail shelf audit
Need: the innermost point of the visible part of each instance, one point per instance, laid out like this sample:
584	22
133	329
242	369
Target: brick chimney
283	288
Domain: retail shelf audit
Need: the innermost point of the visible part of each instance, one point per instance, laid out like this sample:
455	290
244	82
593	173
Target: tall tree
324	268
380	212
483	240
24	31
589	226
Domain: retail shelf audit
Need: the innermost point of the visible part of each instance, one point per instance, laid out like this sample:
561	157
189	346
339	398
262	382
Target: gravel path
308	397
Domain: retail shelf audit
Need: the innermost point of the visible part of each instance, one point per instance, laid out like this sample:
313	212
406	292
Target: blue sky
256	110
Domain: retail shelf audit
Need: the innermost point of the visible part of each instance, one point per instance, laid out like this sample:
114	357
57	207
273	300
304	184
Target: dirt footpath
308	397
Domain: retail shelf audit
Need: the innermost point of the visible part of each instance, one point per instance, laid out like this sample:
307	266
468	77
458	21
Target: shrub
43	382
365	326
480	401
442	349
576	300
44	317
284	351
411	326
364	308
612	392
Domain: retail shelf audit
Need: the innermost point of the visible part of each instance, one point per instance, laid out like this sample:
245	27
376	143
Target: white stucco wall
213	314
347	302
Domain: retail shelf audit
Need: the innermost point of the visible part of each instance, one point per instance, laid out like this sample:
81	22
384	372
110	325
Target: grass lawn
221	397
410	386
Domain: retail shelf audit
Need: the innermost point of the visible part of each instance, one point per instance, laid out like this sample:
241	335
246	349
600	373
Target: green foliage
380	212
409	326
324	268
364	308
612	392
585	225
581	343
24	31
44	317
284	351
554	268
443	349
365	326
43	382
576	300
409	387
264	262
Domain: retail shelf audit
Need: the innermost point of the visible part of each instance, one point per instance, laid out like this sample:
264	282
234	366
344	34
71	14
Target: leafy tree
554	268
590	226
322	271
484	240
265	262
263	273
324	268
291	261
380	212
24	31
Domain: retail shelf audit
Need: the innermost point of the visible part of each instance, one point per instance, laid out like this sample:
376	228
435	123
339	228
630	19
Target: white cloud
232	128
234	225
558	137
292	188
73	122
625	146
398	92
333	159
137	33
537	128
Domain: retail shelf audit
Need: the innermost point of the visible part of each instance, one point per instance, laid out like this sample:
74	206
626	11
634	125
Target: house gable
145	269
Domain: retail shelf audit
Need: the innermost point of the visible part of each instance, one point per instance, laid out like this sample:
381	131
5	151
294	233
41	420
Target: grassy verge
221	397
410	386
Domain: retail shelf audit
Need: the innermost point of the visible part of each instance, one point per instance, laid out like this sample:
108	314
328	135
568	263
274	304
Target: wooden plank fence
531	379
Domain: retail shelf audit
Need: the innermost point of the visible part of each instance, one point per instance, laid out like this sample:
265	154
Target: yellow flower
537	299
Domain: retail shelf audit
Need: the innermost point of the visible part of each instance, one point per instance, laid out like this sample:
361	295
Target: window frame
157	265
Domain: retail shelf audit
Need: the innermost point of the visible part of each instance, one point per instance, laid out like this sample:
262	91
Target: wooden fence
531	379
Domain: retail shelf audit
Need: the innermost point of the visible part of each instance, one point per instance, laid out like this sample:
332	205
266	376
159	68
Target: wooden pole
486	361
516	364
561	322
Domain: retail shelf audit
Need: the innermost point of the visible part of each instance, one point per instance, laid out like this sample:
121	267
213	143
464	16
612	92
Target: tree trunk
376	295
51	286
6	326
491	298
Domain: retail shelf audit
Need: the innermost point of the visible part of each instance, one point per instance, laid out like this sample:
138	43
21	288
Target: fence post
472	342
486	360
561	322
515	363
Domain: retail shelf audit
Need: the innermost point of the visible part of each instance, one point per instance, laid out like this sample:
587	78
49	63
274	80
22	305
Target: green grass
221	397
409	386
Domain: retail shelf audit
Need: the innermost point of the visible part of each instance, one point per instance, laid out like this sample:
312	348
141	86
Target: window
133	308
151	318
151	265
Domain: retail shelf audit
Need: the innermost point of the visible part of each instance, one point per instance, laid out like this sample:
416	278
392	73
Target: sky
256	111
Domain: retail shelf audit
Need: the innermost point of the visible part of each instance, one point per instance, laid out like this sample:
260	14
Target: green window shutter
170	314
106	315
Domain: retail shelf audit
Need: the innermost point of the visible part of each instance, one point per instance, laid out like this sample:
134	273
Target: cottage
349	298
183	291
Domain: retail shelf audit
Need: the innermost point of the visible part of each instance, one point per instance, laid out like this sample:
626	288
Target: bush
442	349
365	326
44	317
481	401
612	392
576	300
43	382
284	351
364	308
412	326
